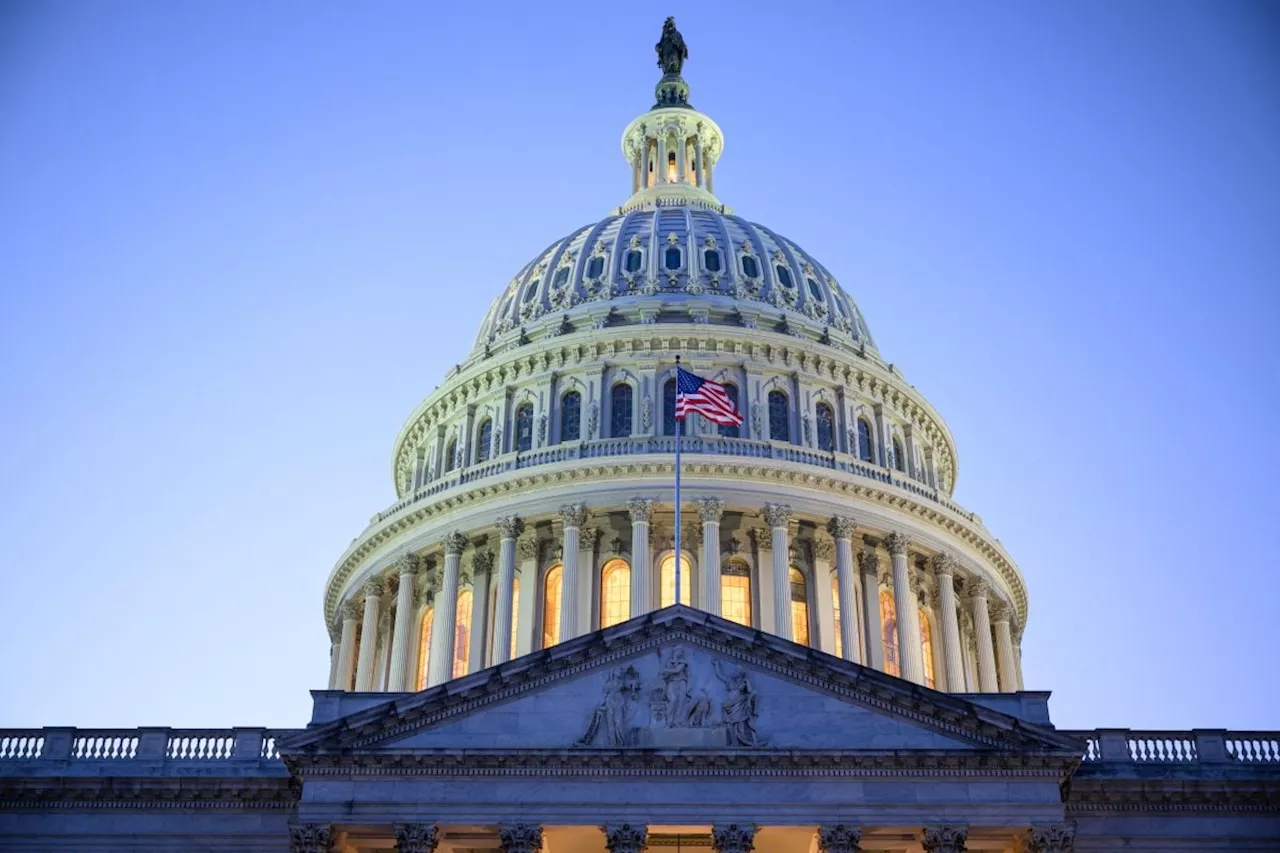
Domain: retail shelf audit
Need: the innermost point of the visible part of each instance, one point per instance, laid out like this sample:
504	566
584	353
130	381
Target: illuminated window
826	428
551	607
735	592
889	633
462	633
620	411
799	607
711	260
634	260
615	593
899	458
814	290
669	407
864	441
450	454
835	598
595	266
524	427
779	417
731	391
571	416
784	276
424	647
750	267
671	167
926	647
668	576
484	441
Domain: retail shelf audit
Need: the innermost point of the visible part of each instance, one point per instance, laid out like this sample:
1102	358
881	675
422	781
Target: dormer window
562	275
711	260
595	266
750	267
784	276
814	290
672	258
634	259
531	291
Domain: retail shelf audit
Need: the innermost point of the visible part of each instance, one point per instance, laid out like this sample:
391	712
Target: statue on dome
671	49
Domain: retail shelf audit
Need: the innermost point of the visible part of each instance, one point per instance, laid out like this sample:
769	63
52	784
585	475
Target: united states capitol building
514	670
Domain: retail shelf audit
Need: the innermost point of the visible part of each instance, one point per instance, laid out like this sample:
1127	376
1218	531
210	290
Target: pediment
677	679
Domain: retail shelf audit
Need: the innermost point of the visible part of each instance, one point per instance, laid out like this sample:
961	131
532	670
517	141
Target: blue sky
240	241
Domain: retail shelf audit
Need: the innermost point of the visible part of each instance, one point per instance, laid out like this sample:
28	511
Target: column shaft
777	516
1004	650
944	565
842	530
910	658
697	157
347	648
573	516
481	569
869	564
710	510
365	667
982	627
511	526
402	631
445	608
641	563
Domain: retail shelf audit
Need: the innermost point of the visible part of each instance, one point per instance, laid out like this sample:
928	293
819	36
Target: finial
671	91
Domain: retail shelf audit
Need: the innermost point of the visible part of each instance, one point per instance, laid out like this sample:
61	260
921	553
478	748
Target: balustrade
1171	747
153	746
20	745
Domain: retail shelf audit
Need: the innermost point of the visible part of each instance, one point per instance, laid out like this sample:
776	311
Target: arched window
865	450
889	633
731	391
899	458
826	428
672	258
595	266
711	260
735	592
750	267
669	407
926	647
799	607
620	410
484	440
571	416
779	417
450	455
524	427
424	646
615	593
784	276
551	606
462	633
634	260
667	573
671	167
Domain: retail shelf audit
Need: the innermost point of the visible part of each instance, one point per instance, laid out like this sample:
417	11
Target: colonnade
847	593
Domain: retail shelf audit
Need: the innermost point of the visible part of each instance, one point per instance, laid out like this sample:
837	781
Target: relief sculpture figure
740	707
675	677
612	717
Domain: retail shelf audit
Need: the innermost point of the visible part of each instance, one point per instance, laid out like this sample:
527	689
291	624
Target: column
520	838
644	183
944	566
904	603
823	551
1008	671
416	837
733	838
944	839
527	552
982	628
660	168
347	646
641	511
509	527
777	516
839	838
335	647
573	515
310	838
365	668
710	511
1052	838
481	569
402	632
443	628
841	529
625	838
869	565
762	584
697	159
682	154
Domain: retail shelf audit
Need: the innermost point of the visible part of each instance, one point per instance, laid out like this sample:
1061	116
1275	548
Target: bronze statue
671	50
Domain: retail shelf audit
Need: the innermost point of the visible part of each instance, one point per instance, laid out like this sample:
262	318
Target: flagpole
679	429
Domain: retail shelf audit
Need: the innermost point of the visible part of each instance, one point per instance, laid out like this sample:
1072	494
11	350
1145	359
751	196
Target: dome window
531	291
673	258
634	259
779	417
524	428
562	276
595	267
484	441
620	411
750	267
711	260
826	428
814	290
570	416
784	276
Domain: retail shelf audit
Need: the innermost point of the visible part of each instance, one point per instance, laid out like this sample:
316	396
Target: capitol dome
534	487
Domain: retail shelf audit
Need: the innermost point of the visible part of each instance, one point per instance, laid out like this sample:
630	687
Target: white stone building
513	668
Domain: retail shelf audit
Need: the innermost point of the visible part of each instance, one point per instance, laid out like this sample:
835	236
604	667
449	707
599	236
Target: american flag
707	398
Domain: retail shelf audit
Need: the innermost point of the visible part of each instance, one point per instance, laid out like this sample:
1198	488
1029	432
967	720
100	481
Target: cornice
219	793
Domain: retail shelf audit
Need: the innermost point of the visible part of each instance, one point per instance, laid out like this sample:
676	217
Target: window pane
595	267
633	260
673	259
424	647
826	428
668	575
532	290
524	427
711	260
926	647
835	598
450	455
814	290
570	420
620	418
669	407
889	633
784	276
462	633
779	417
864	440
515	613
562	275
551	607
899	458
484	442
735	594
615	593
750	268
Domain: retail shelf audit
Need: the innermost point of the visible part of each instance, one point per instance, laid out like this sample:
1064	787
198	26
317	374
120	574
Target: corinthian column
443	627
310	838
841	529
840	838
402	632
641	565
944	566
733	837
1052	838
509	528
777	516
869	564
347	646
910	657
711	509
573	515
982	627
416	837
944	839
369	637
481	570
626	838
520	838
1004	648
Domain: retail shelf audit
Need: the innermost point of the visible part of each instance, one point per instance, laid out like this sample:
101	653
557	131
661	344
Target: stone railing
1132	746
692	446
70	748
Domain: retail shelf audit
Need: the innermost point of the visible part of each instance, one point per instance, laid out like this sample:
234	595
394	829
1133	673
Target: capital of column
573	515
510	526
1052	838
978	588
841	527
869	562
733	838
641	509
373	589
520	837
944	839
405	564
416	837
710	509
1000	611
481	563
351	611
897	543
777	515
823	548
840	838
309	838
527	547
625	838
944	564
454	542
